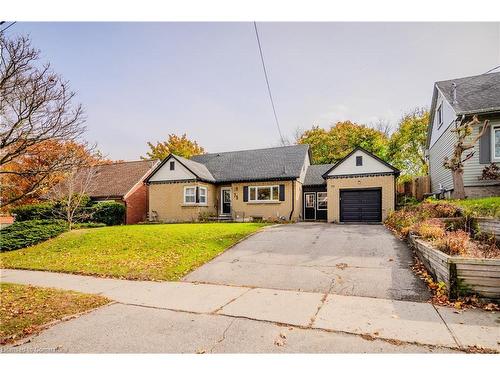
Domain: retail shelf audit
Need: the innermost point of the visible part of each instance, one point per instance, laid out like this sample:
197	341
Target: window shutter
282	193
245	193
485	147
197	194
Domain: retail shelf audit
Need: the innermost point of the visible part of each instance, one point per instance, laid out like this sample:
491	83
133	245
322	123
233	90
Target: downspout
293	200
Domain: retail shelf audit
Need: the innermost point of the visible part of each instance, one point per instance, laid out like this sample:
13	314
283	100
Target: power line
5	28
268	85
471	78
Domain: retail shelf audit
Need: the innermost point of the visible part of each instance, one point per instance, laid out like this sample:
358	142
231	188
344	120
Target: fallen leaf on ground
341	265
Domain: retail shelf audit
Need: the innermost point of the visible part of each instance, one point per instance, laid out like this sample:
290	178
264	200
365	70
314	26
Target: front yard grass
25	309
488	207
137	252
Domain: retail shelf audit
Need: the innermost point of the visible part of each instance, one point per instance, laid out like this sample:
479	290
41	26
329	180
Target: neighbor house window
202	194
439	114
172	165
190	194
322	200
263	193
359	160
496	143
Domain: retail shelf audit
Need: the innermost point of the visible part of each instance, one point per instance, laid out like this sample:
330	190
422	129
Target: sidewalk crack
323	300
223	335
455	338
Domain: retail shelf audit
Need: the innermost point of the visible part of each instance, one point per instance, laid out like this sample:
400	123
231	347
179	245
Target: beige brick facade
167	201
334	185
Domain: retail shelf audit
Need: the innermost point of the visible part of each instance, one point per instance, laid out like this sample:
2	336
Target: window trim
494	158
205	190
360	158
172	165
439	113
250	200
317	201
191	195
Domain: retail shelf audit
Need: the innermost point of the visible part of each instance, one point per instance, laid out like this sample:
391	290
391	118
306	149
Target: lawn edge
43	327
138	279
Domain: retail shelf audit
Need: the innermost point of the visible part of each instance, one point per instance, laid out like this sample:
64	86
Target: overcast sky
139	82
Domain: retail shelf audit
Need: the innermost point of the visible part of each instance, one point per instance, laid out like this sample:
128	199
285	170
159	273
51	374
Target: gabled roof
359	148
117	179
198	169
314	174
280	163
474	95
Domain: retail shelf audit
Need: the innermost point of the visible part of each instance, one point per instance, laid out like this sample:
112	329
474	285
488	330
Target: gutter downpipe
293	200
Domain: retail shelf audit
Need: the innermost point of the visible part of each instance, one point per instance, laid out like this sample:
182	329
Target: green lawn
25	309
140	252
481	206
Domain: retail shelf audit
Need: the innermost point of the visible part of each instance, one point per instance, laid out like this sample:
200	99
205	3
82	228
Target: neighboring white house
452	99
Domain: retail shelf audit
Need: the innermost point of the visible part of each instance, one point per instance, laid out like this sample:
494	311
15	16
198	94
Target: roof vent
454	93
284	169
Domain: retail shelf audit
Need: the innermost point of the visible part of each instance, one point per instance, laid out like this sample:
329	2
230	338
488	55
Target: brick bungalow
272	183
123	182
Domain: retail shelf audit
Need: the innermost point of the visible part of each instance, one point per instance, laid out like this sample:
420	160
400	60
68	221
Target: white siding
449	117
370	165
472	168
179	173
303	171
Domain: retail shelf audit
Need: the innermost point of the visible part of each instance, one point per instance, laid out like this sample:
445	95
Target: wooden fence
417	187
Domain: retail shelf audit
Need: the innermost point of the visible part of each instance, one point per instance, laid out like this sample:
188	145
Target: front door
309	206
226	201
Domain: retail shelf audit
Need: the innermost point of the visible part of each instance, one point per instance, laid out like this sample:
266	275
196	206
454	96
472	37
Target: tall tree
181	146
36	107
463	132
407	144
330	146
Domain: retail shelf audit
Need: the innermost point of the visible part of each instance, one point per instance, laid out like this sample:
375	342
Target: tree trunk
458	184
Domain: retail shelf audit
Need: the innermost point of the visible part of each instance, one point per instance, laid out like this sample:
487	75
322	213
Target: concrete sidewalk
373	318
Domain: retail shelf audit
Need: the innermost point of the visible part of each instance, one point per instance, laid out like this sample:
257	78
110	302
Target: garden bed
462	276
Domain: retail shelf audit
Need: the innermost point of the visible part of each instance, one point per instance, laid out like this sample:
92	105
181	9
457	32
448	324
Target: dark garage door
361	205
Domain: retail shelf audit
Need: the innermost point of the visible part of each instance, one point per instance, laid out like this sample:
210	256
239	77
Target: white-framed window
310	200
495	143
190	194
322	200
263	193
439	115
202	195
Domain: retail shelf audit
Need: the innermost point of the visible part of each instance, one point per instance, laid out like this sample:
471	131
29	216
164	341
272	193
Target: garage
361	205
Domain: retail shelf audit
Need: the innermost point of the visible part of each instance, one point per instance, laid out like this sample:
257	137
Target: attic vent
284	169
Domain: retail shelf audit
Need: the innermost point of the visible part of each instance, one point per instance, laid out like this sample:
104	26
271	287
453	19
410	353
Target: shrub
430	229
26	233
454	243
38	211
401	221
439	209
109	213
88	225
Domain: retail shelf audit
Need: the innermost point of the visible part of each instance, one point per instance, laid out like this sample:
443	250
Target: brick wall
137	205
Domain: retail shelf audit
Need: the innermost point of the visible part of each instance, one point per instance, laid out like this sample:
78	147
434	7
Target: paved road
352	260
187	317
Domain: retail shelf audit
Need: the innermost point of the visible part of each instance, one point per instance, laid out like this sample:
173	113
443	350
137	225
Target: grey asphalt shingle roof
253	165
474	94
197	168
314	174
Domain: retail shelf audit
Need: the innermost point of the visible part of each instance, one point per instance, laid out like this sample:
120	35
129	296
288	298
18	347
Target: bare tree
36	106
462	132
384	126
71	194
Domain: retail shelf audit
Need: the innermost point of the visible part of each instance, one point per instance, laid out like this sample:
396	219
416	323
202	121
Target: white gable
370	165
165	174
448	117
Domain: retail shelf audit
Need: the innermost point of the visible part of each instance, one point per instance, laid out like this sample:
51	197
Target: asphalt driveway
356	260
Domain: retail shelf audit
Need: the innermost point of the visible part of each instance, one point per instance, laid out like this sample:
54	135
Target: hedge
109	213
27	233
38	211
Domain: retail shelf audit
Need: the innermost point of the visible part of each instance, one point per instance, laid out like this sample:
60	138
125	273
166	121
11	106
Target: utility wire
5	28
467	80
268	85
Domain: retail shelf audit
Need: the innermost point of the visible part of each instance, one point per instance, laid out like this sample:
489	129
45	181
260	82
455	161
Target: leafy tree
36	109
407	144
181	146
330	146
